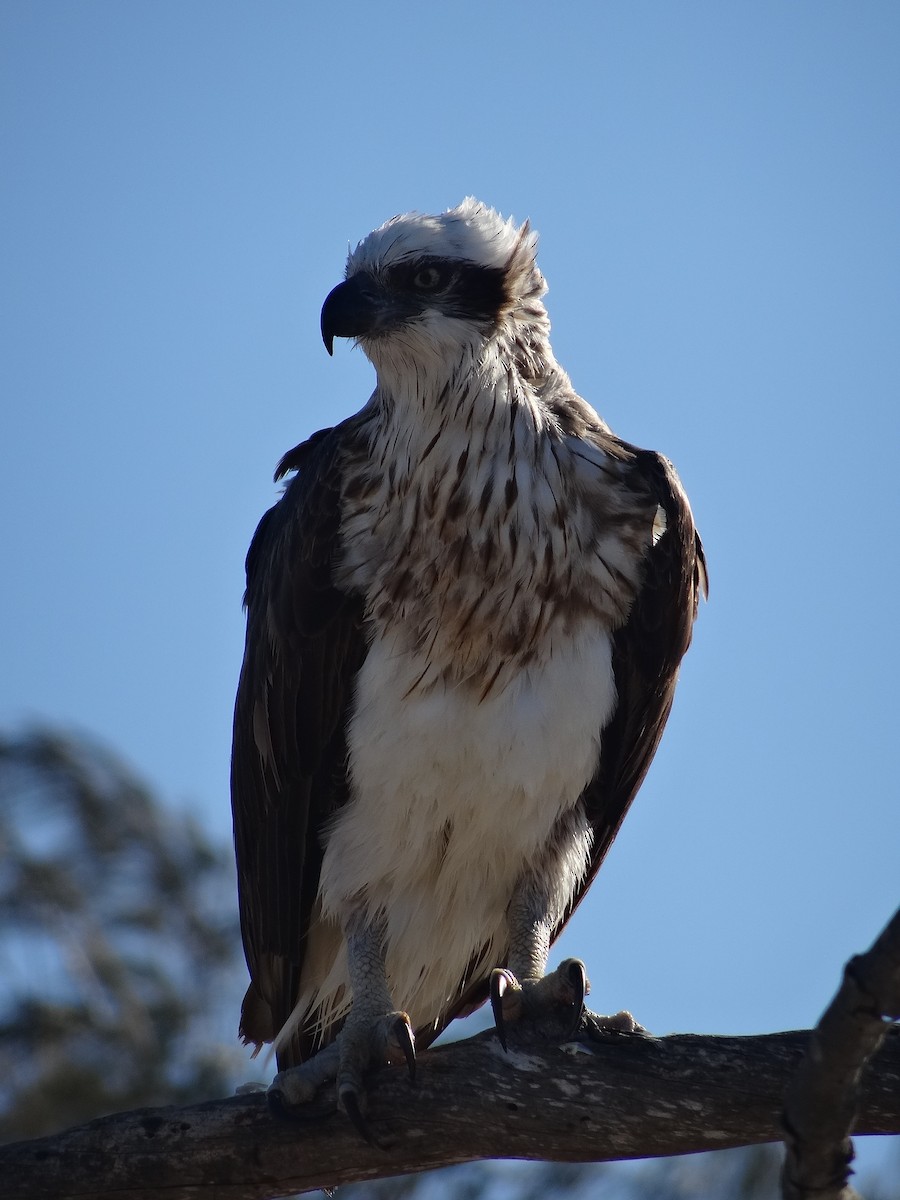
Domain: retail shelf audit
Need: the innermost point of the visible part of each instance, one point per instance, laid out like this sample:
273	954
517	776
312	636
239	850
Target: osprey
465	618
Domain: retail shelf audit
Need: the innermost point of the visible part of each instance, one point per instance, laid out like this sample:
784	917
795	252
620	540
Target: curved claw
577	979
500	981
403	1035
350	1104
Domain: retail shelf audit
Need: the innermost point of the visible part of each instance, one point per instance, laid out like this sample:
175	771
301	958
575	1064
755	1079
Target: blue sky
717	189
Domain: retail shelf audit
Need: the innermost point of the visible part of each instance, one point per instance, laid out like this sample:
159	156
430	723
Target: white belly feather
453	799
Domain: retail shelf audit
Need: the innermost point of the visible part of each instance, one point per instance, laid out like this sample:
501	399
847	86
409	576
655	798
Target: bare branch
600	1099
823	1098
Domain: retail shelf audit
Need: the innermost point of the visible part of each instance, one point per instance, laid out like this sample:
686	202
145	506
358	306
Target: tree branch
606	1097
823	1096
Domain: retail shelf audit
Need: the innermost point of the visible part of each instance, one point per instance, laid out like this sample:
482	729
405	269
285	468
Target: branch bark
605	1097
823	1096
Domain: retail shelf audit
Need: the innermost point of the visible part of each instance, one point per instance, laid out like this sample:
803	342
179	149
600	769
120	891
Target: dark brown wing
305	644
647	652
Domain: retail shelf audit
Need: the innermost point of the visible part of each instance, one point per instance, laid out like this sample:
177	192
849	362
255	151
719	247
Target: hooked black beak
355	307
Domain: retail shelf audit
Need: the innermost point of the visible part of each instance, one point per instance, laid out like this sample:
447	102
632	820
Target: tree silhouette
117	921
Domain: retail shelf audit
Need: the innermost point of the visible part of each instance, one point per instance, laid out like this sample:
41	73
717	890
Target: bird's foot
615	1023
365	1042
554	1003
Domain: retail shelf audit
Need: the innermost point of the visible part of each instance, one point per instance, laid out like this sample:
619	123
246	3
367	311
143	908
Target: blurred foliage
117	926
747	1173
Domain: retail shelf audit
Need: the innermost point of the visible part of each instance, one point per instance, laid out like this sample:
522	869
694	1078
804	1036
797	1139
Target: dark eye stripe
464	289
404	276
478	292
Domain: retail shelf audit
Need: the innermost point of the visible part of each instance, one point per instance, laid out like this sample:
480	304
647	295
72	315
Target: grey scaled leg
374	1033
524	991
553	1003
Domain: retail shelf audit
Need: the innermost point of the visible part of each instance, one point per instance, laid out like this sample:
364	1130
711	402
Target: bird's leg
373	1034
523	990
553	1003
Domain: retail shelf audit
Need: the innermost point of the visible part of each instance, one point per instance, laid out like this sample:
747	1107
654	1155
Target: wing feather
647	653
305	644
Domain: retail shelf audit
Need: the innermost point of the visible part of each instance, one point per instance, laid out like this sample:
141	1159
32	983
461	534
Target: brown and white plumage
465	620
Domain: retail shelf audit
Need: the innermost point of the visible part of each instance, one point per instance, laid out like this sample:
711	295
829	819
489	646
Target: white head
471	233
422	290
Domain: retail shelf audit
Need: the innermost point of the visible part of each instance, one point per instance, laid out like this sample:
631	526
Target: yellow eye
426	279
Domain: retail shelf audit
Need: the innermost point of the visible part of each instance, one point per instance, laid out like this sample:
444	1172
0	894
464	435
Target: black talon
350	1105
407	1044
499	984
579	985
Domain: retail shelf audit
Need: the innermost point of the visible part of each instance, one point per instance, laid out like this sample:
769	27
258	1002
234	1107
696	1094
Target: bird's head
422	289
